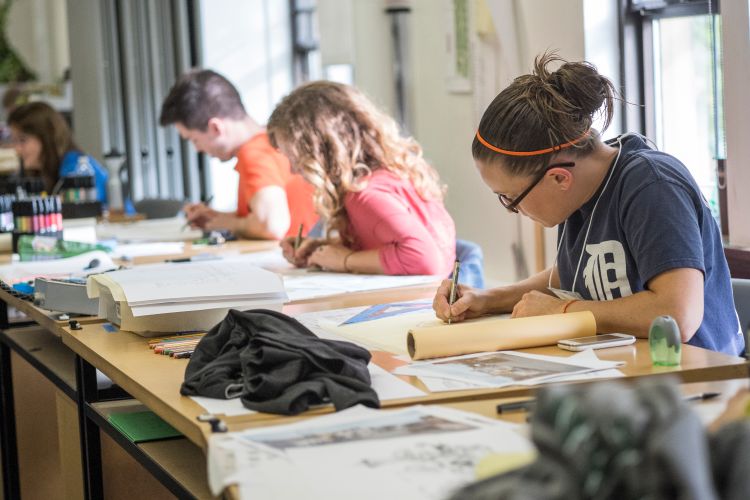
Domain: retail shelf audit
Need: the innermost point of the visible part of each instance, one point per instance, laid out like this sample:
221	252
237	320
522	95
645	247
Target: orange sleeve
258	170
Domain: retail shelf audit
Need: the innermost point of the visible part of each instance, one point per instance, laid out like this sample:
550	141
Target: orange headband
530	153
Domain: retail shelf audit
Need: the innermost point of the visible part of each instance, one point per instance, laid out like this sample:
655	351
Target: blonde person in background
382	201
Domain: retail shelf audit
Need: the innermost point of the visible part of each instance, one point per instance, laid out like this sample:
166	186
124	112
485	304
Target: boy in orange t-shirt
272	201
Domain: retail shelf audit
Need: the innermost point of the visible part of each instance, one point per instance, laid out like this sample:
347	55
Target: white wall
87	71
38	31
249	42
444	122
736	40
373	60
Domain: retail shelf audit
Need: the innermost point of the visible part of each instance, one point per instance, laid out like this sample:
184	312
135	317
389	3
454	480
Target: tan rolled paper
497	334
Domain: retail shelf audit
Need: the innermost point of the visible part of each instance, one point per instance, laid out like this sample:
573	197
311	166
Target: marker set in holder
78	188
11	189
22	186
79	197
37	215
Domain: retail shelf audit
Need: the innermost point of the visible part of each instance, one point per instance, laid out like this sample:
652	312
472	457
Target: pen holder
664	341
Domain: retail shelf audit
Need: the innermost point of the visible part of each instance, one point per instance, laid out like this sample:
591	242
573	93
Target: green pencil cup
664	341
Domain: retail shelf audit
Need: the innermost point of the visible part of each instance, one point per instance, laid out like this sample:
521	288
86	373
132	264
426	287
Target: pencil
454	287
207	203
298	239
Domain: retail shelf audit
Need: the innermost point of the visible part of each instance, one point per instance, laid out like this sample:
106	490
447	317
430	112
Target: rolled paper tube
497	334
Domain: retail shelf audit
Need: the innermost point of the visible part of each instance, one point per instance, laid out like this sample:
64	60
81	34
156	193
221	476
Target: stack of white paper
155	230
185	296
305	284
129	251
71	267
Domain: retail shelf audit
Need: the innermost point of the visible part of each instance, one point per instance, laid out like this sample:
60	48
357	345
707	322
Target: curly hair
336	137
545	109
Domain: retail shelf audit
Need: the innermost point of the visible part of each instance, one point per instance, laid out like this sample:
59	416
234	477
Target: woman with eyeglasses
636	238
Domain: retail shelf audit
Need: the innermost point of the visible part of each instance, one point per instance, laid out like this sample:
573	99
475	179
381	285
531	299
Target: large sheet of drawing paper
438	339
415	453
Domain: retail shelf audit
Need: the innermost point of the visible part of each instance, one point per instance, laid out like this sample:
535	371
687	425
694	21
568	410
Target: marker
525	405
702	396
196	258
454	287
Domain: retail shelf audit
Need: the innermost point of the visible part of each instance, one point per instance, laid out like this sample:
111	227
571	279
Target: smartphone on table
596	342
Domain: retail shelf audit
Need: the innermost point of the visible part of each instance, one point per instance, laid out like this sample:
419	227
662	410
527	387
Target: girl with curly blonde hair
382	201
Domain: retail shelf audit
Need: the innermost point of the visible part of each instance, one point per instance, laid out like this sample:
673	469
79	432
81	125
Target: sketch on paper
381	311
496	368
392	426
420	452
435	457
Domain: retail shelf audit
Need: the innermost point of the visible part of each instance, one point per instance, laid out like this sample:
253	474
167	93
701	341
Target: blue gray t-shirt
651	218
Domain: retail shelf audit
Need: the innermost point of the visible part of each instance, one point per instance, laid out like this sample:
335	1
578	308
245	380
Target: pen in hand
207	203
454	288
298	239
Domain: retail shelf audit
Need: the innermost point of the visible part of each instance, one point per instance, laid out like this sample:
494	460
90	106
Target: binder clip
217	425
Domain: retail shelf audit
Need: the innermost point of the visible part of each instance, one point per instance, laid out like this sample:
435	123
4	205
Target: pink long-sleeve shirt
412	235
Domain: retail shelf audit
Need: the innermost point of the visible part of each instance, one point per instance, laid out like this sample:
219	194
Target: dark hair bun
575	88
554	105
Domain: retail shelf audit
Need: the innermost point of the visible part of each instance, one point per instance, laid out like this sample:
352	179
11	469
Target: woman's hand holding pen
300	256
469	304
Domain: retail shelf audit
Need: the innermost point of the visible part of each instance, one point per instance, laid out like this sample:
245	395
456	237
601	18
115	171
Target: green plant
12	68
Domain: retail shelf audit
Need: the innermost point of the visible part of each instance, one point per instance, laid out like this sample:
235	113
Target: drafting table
153	381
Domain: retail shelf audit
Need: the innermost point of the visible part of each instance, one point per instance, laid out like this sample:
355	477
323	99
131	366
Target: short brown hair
542	110
198	96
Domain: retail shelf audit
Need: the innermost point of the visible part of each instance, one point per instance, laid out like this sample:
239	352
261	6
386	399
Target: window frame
636	49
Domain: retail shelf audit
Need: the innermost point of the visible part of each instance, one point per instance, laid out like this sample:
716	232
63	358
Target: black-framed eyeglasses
511	203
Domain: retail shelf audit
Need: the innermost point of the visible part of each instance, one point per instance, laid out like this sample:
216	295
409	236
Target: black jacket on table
276	365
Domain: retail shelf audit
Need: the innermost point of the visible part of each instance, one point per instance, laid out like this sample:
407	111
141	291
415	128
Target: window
681	74
687	104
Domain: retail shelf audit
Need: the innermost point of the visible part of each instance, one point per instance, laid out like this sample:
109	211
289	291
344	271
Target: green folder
142	426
